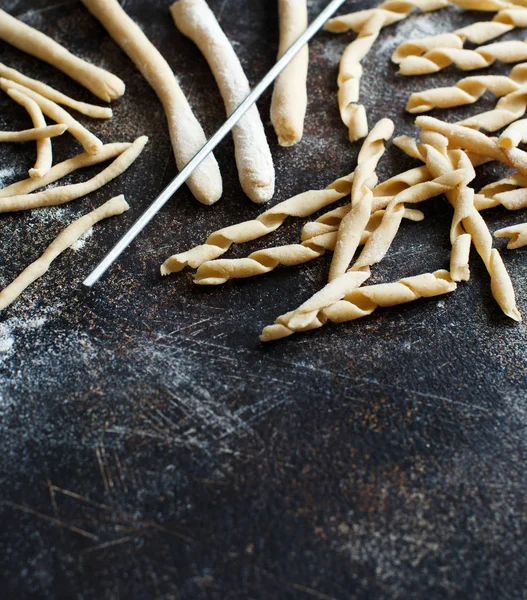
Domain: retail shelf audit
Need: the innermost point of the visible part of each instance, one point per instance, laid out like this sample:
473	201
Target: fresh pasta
517	235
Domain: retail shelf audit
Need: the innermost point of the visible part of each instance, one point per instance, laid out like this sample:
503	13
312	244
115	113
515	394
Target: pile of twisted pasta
371	219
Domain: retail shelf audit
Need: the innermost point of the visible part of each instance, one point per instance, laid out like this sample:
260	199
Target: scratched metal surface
152	448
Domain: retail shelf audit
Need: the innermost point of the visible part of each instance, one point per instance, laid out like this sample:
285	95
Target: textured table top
153	448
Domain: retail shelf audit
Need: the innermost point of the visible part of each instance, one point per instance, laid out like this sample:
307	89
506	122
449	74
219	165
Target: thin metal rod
187	171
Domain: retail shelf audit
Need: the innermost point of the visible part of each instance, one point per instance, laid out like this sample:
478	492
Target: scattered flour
6	175
81	242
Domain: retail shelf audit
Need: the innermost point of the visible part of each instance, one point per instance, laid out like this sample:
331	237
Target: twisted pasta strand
517	233
362	302
302	205
508	109
368	24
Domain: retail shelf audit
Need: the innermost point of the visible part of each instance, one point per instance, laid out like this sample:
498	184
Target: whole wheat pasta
368	24
517	233
353	223
289	101
90	143
28	135
508	109
62	195
69	236
474	225
186	134
364	301
434	61
479	33
100	82
253	156
319	237
90	110
302	205
44	149
64	168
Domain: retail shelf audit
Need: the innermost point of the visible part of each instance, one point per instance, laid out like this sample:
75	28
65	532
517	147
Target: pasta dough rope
514	135
508	109
517	233
217	272
186	135
302	205
474	225
289	100
368	25
100	82
44	150
62	169
353	223
253	156
90	110
436	60
28	135
62	195
364	301
507	19
90	143
69	236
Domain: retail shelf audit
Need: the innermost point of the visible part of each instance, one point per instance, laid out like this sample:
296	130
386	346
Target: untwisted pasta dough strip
507	19
90	110
364	301
302	205
474	225
44	159
353	223
90	143
253	156
62	169
217	272
186	134
28	135
69	236
289	101
466	60
517	233
61	195
103	84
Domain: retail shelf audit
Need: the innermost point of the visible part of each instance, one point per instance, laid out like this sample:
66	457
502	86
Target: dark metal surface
152	448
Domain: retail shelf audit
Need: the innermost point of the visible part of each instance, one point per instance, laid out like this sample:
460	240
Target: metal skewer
185	173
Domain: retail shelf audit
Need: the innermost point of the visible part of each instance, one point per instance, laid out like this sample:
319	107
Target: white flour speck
81	242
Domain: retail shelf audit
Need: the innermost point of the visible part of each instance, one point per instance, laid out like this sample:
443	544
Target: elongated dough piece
514	135
289	101
63	169
302	205
508	109
28	135
89	142
186	133
100	82
44	149
474	225
253	156
507	19
364	301
353	224
115	206
62	195
517	233
90	110
466	60
217	272
368	24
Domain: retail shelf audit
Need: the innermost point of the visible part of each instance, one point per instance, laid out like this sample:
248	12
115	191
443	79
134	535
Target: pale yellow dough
100	82
253	156
90	110
289	101
61	195
28	135
517	233
186	133
69	236
357	303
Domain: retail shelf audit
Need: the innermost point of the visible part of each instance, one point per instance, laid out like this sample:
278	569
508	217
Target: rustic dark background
153	449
